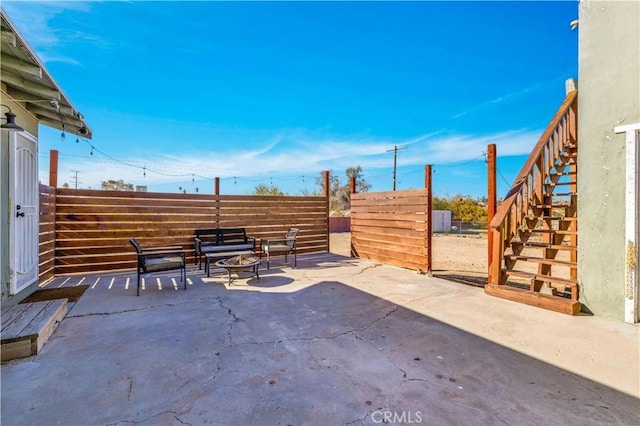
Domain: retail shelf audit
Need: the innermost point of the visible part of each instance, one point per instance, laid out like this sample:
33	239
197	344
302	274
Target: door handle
20	214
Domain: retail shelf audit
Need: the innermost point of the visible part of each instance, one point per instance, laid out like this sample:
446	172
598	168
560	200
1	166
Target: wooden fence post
429	222
326	194
53	168
216	192
352	185
491	203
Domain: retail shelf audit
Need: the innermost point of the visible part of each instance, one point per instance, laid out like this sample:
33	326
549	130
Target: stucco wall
609	95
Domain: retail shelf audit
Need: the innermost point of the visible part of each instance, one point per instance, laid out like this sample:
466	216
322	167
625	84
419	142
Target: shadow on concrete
322	353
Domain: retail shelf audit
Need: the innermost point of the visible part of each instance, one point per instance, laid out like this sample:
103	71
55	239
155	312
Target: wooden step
550	206
542	260
562	194
559	184
533	298
544	278
565	218
569	173
545	245
550	231
26	327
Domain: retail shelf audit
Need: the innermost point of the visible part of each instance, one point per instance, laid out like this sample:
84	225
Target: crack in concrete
234	319
135	422
142	308
218	355
360	419
362	270
331	337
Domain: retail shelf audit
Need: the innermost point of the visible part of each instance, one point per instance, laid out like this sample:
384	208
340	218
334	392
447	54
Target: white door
24	219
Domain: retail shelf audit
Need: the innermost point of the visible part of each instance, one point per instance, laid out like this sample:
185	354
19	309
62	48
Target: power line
461	164
503	178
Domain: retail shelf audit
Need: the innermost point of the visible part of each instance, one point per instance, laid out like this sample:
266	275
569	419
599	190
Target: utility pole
75	177
395	162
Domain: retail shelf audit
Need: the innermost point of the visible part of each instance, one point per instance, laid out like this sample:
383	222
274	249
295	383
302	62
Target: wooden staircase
535	230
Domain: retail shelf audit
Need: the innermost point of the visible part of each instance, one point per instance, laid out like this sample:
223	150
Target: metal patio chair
160	259
283	246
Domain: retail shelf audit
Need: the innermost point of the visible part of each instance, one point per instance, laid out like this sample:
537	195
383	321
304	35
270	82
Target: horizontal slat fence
391	227
47	233
93	227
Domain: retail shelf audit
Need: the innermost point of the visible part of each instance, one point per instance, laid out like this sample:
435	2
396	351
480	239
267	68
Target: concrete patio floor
335	341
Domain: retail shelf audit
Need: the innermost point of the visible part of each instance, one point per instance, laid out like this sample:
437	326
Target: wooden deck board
27	326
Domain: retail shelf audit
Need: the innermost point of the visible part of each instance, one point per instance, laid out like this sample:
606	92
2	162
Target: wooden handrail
527	168
528	186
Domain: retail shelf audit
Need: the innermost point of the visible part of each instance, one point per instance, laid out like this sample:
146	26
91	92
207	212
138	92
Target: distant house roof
28	81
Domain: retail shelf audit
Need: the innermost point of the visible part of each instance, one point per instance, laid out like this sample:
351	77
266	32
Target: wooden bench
221	241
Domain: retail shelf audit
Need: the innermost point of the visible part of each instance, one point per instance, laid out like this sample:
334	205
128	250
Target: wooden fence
92	227
391	227
47	234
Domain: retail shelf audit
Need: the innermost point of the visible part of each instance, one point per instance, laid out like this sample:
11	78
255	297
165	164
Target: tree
267	190
116	185
361	184
440	203
464	207
340	195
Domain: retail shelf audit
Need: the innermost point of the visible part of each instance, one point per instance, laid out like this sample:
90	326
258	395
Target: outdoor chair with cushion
160	259
284	246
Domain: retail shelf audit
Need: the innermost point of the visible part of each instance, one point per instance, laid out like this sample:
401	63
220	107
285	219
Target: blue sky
276	92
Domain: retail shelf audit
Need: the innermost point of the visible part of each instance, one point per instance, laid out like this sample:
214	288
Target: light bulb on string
144	171
91	153
77	140
62	136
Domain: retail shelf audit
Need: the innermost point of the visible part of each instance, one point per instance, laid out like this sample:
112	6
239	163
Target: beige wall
609	96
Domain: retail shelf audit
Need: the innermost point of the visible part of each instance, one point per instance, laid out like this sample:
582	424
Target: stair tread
546	245
540	277
550	206
569	173
562	194
559	183
561	218
27	326
542	260
550	231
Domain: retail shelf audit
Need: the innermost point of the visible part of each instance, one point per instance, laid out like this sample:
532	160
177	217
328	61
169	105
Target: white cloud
33	19
294	154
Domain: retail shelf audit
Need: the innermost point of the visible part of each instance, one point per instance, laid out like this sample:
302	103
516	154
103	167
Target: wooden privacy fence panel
93	227
391	227
47	234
